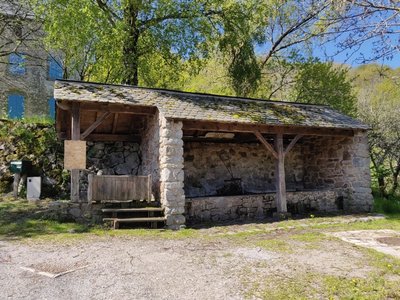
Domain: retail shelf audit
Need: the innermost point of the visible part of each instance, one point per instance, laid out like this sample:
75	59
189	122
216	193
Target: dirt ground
231	263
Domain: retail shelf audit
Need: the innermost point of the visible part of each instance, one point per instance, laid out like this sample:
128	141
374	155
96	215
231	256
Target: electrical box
20	166
33	188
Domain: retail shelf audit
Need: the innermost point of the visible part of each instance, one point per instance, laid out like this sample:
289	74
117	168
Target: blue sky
353	57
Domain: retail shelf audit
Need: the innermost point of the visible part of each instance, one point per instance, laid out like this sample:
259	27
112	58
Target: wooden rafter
270	129
109	107
103	137
92	127
292	143
267	145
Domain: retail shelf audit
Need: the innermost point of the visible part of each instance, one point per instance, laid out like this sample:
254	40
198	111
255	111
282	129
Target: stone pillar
357	174
171	172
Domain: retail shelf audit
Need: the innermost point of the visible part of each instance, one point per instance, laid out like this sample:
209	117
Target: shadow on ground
21	219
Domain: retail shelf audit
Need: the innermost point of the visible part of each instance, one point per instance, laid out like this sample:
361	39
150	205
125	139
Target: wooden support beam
75	135
118	108
281	204
251	128
265	143
92	127
292	143
104	137
115	122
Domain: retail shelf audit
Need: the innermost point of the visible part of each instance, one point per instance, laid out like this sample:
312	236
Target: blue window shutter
52	108
17	63
15	106
55	69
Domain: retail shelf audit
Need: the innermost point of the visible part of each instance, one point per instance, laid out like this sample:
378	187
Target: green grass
276	245
389	206
22	219
322	286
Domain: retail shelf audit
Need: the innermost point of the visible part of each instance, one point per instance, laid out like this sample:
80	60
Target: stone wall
150	153
172	195
207	164
340	164
248	207
119	158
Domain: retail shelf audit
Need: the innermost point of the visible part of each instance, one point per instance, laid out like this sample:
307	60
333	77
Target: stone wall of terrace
340	164
249	207
209	167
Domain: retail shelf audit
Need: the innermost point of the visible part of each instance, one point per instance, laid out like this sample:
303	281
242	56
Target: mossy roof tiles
192	106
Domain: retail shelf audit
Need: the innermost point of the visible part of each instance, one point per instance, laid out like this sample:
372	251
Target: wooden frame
119	188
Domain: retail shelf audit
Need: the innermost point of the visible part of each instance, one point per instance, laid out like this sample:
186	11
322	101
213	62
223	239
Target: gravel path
152	268
117	268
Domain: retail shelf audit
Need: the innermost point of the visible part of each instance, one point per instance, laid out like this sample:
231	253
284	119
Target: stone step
141	209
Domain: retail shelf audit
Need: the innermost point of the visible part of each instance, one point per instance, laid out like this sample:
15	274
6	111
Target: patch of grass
310	237
389	206
31	228
387	265
320	286
276	245
147	233
22	219
373	287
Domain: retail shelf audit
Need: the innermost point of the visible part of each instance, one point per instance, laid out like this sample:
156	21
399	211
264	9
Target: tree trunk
130	47
395	177
379	176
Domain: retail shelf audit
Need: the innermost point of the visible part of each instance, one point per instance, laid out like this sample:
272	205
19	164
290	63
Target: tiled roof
192	106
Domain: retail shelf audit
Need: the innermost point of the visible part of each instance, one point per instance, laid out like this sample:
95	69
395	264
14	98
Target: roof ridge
169	91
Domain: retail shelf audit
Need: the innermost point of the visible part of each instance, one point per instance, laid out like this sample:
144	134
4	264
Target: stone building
27	70
216	158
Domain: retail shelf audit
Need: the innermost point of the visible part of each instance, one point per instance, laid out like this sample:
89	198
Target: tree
18	29
379	106
354	23
267	36
323	83
118	41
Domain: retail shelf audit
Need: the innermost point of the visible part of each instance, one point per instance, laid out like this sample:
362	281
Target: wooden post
17	179
280	175
75	135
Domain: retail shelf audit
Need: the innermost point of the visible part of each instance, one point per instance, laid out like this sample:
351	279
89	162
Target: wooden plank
115	123
137	220
75	135
120	188
265	143
149	183
292	143
113	137
251	128
74	155
280	175
92	127
90	188
153	209
118	108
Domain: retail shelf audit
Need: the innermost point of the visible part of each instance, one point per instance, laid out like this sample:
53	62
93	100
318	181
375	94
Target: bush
389	205
38	143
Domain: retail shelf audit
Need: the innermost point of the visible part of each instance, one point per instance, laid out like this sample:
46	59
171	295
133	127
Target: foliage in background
323	83
379	106
38	143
